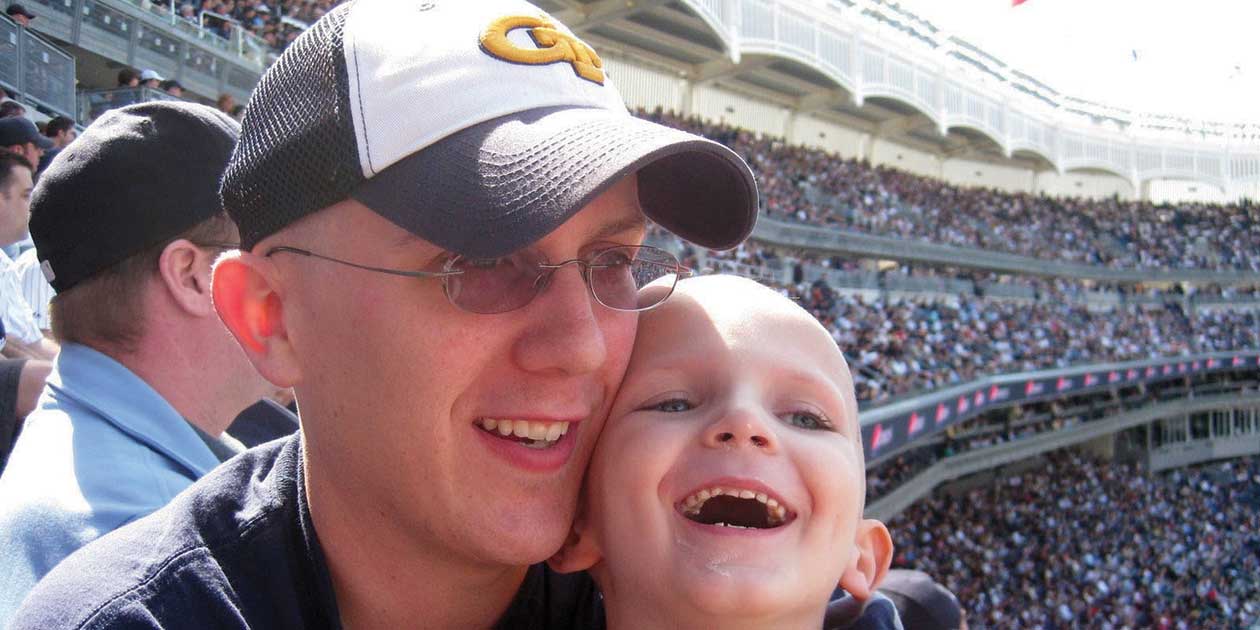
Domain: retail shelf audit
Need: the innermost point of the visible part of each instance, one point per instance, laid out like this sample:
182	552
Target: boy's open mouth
735	507
537	435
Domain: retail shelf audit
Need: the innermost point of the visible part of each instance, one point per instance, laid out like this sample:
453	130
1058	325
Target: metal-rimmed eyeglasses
613	276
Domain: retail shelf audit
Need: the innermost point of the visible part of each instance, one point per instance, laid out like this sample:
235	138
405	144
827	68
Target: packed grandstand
1070	535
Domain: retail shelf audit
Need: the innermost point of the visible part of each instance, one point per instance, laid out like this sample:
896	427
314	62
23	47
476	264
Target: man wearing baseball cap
19	135
147	379
441	208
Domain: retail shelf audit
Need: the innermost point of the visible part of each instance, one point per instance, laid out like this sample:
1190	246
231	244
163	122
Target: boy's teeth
539	434
776	513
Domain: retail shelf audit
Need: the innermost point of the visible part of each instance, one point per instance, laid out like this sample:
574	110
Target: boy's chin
750	592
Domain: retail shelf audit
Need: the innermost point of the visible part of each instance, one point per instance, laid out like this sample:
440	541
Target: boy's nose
740	428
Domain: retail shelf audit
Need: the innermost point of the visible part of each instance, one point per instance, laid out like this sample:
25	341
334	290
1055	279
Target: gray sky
1195	58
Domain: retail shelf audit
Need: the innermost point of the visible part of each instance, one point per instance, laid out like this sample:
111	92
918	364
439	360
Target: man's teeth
540	434
776	513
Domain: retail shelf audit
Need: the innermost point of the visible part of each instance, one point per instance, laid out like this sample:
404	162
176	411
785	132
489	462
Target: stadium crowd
276	22
1079	543
820	188
902	344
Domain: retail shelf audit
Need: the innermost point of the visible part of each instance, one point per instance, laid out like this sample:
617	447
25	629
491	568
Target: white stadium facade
864	78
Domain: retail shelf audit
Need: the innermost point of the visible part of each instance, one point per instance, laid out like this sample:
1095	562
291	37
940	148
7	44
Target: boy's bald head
744	310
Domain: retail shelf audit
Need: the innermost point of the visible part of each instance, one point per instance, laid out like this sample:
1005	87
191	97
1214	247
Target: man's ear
247	302
184	270
870	561
579	552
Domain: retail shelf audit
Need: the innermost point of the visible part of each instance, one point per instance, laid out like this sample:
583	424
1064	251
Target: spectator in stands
12	109
21	377
128	77
151	79
173	88
420	514
813	186
19	135
21	381
19	14
1081	543
23	337
60	130
148	379
226	104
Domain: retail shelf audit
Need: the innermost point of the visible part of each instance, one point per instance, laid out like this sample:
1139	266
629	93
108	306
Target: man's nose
565	333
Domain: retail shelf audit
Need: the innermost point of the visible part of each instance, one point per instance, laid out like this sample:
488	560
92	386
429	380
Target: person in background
128	77
19	135
24	338
12	109
60	130
151	79
19	14
226	104
173	87
148	378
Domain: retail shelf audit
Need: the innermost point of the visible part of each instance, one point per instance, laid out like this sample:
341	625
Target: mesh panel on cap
297	152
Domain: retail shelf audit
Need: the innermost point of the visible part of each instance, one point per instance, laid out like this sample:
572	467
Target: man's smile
528	433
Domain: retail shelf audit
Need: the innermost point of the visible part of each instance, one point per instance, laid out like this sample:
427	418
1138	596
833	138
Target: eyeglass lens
614	276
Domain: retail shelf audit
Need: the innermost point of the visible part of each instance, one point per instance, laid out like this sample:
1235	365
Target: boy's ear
579	551
869	564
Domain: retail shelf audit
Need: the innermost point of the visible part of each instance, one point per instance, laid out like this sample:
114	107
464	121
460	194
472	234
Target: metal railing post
21	62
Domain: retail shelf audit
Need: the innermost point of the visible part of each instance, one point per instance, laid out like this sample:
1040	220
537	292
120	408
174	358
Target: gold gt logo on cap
553	44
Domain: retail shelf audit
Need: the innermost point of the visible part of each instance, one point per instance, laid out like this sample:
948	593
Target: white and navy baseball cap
480	126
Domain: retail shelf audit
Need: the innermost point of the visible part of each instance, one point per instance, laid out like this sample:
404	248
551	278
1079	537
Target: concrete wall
971	173
903	157
715	103
828	136
1090	185
1162	190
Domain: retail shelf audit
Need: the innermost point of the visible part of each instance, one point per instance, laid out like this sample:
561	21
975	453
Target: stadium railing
38	72
893	426
142	35
93	103
782	233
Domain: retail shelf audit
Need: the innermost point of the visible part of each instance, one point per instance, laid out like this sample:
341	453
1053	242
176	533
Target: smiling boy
727	488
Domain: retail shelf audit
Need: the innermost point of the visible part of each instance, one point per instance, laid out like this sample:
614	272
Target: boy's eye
807	420
673	405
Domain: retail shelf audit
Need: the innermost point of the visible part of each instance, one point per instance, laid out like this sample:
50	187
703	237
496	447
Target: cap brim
498	186
43	142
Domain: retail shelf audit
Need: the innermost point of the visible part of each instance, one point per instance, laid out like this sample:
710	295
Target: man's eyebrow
636	222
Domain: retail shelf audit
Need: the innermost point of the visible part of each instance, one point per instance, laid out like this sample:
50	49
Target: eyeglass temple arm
392	272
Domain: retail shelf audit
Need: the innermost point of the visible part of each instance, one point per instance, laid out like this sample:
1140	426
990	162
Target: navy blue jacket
238	550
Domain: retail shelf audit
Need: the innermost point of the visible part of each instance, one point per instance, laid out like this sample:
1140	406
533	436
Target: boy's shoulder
849	613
